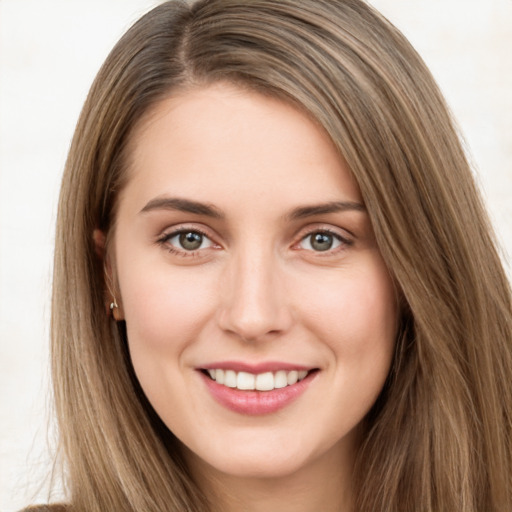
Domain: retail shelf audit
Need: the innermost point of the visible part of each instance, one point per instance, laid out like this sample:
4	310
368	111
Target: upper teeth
261	382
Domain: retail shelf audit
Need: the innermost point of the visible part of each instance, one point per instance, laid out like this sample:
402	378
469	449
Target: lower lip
256	402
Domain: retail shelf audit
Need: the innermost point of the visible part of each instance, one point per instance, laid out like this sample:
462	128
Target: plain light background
50	52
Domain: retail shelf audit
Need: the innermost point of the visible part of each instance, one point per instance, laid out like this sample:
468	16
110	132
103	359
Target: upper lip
255	368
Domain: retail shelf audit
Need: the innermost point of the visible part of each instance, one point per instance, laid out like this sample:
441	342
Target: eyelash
165	238
344	242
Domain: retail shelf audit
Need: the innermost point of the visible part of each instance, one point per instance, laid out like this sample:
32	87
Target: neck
324	484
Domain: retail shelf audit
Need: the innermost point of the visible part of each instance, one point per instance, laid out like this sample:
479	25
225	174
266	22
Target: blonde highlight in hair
439	436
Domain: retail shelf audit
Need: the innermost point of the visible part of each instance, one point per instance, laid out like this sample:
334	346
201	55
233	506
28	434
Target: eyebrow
198	208
182	205
321	209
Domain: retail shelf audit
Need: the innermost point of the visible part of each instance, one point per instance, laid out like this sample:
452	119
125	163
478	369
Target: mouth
266	381
250	390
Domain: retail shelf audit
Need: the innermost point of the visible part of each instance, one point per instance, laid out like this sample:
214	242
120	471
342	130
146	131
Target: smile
266	381
253	390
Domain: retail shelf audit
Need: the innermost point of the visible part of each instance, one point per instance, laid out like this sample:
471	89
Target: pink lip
269	366
256	402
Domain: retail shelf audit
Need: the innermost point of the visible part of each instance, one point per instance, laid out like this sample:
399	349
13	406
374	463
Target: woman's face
245	259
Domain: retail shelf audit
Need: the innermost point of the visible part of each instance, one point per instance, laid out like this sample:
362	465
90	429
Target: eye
188	240
322	241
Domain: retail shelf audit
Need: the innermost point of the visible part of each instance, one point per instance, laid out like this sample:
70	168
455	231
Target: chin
257	460
260	467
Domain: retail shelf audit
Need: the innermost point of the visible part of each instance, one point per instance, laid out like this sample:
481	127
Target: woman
275	284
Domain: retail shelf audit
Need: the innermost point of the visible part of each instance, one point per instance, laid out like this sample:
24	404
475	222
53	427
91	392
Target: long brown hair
439	436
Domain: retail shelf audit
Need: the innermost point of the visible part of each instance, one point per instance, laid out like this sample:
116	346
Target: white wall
49	53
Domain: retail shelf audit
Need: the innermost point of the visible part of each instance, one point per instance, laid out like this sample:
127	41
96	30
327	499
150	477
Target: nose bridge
255	302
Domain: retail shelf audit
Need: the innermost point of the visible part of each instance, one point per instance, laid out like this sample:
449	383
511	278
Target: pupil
191	241
322	242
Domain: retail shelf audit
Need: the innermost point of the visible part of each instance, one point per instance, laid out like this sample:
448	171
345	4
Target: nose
255	305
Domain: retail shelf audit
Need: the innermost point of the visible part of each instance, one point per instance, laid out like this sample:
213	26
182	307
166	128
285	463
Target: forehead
221	141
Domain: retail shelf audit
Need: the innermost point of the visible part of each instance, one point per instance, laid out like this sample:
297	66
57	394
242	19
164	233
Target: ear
113	304
99	240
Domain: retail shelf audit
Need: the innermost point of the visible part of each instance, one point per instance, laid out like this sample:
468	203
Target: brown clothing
46	508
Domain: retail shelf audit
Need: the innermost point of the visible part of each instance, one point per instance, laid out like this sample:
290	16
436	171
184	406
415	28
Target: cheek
356	302
355	313
164	307
165	311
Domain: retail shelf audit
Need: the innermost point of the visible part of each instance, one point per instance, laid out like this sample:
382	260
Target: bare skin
241	244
